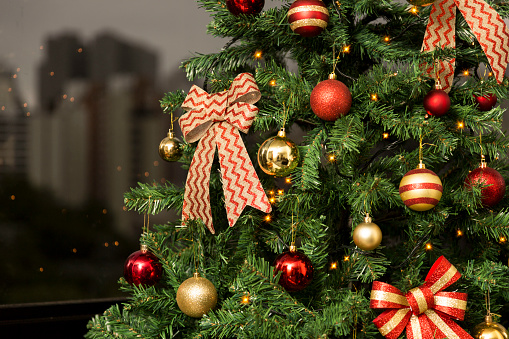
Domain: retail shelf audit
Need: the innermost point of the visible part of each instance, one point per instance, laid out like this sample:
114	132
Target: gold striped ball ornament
308	18
420	189
490	330
196	296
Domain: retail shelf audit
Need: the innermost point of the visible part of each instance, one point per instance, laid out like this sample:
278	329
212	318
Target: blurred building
99	127
13	126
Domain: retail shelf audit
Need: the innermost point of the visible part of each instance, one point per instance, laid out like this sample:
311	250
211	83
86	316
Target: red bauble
142	267
308	18
437	102
492	194
486	102
296	270
237	7
330	99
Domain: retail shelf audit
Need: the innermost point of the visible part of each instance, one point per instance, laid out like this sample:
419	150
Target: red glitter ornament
330	99
296	270
237	7
437	102
483	175
142	267
308	18
485	102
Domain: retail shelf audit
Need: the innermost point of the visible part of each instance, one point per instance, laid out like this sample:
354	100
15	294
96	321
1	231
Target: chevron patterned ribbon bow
488	27
426	312
215	119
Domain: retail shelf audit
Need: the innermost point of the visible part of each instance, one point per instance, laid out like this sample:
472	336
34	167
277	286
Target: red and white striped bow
426	312
488	27
215	119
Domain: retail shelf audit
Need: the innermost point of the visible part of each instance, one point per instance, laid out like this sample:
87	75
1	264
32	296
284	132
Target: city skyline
156	26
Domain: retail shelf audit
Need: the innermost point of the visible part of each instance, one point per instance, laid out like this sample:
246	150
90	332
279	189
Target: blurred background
80	123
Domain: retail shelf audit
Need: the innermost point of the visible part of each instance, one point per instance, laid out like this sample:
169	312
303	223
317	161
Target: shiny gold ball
278	155
490	330
367	235
170	148
196	296
421	2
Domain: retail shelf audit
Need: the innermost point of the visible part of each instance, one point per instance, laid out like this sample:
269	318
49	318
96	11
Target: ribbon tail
491	32
419	328
441	32
392	322
197	196
241	185
444	327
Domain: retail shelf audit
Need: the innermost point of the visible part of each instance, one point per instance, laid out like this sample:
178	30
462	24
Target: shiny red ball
494	190
308	18
330	99
237	7
437	102
296	270
486	102
142	267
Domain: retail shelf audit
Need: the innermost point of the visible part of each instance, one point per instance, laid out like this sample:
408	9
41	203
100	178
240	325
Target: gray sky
173	28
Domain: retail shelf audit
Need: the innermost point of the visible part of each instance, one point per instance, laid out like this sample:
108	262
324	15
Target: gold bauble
196	296
490	330
367	235
421	2
278	155
170	148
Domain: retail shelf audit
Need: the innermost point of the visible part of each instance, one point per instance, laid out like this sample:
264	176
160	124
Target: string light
429	246
106	244
332	157
280	192
13	197
346	258
288	180
466	72
490	74
245	299
271	192
414	10
272	82
272	200
461	124
385	135
387	38
74	250
333	265
258	54
374	97
459	233
503	239
268	218
346	49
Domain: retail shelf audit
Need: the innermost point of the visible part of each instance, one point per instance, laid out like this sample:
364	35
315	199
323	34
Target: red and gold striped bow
488	27
215	119
426	312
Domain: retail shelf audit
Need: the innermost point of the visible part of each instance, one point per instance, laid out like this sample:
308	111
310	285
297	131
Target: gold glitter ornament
278	155
196	296
490	330
367	235
170	148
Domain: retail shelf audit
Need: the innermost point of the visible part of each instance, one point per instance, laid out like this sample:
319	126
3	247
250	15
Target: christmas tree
392	196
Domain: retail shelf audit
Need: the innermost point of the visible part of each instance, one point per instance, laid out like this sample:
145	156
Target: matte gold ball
196	296
421	2
490	330
170	148
278	155
367	235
